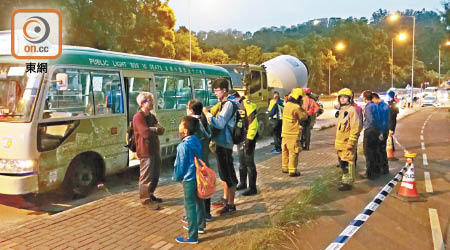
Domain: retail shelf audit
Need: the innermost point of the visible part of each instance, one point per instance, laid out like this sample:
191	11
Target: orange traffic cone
389	149
408	189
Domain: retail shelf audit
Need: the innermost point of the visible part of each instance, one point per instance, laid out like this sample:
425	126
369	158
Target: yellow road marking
438	242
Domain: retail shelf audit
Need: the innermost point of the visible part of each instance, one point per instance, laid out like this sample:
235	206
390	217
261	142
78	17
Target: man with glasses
146	132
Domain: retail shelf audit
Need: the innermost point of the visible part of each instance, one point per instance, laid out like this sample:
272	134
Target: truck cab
251	81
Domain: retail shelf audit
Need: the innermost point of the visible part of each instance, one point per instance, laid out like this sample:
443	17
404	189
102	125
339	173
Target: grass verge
294	214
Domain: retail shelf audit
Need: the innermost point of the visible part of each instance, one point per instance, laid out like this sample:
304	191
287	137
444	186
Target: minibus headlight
17	166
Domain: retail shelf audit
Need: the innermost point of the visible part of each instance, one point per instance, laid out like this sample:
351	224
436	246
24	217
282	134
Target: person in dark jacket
185	171
371	126
383	112
146	132
392	115
275	110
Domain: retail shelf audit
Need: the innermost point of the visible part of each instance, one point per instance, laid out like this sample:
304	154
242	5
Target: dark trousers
306	133
247	164
195	209
149	172
277	134
370	144
383	165
226	166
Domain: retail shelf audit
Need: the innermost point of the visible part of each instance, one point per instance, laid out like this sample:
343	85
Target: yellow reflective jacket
250	109
279	114
348	128
293	113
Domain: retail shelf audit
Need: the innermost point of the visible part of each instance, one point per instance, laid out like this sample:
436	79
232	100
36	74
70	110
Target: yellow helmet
296	93
345	91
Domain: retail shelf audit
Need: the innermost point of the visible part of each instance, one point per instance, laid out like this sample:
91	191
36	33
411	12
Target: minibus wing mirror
62	81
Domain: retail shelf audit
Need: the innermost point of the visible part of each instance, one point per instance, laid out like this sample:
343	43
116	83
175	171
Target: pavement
119	221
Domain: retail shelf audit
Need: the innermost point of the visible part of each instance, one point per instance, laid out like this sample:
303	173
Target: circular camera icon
36	29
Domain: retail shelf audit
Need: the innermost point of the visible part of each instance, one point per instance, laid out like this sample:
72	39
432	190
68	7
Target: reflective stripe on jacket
348	128
250	109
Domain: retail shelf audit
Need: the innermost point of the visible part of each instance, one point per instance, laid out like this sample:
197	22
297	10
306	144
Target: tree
215	56
251	55
181	46
134	26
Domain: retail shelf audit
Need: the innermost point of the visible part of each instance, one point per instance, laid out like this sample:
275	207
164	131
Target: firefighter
291	132
247	148
347	132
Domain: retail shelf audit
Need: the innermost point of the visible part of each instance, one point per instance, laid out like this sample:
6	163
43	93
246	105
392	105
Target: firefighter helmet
296	93
345	91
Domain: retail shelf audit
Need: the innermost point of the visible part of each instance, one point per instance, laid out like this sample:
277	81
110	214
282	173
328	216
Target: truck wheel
82	177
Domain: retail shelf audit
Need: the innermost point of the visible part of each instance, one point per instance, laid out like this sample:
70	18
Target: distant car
430	101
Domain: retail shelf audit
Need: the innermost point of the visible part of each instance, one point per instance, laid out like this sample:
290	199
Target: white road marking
425	160
421	137
436	233
428	185
423	145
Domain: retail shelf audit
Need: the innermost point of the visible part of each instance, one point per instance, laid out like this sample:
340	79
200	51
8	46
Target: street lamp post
447	43
339	46
393	18
392	63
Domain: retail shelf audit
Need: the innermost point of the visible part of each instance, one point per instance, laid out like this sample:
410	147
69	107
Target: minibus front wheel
82	177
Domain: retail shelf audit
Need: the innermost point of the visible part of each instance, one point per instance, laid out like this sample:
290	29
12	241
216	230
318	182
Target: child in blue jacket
185	172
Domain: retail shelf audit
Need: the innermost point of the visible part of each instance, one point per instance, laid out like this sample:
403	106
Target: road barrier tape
362	217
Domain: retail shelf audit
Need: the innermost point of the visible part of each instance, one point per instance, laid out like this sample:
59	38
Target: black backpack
239	131
131	140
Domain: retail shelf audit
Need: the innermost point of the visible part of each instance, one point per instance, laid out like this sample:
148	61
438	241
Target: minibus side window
76	100
108	94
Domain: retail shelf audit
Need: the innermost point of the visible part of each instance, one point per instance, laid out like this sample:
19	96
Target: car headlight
17	166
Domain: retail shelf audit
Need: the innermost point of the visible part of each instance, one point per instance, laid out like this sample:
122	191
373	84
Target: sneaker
208	217
345	187
220	203
200	231
153	198
241	186
249	192
184	240
153	205
275	151
184	219
295	174
227	209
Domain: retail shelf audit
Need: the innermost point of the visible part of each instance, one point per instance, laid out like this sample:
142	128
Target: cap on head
307	91
391	94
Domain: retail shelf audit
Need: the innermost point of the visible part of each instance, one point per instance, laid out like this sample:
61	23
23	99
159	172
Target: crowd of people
203	131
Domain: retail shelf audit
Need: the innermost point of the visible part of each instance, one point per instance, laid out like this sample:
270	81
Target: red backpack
206	180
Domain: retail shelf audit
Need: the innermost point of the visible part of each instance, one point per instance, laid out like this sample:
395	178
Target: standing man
392	115
311	107
146	131
247	148
291	132
383	112
275	110
347	133
223	124
371	134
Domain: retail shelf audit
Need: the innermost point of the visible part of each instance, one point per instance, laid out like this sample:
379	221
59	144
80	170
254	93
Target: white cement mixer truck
257	82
